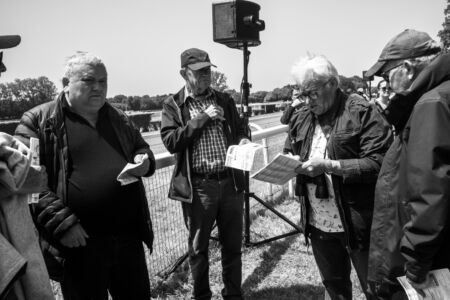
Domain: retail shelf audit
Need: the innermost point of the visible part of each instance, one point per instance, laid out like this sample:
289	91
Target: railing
168	223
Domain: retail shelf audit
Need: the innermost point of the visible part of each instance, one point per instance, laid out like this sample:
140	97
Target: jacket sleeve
427	173
375	137
286	116
50	212
176	136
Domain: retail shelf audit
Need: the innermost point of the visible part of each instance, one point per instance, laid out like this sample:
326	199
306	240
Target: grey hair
315	68
78	59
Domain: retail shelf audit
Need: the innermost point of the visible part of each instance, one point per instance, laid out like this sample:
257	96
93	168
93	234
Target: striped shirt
210	148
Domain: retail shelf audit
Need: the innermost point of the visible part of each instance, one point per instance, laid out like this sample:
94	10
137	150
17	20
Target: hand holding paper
131	172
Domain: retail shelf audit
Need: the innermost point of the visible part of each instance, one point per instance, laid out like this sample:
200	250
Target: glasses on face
312	93
384	89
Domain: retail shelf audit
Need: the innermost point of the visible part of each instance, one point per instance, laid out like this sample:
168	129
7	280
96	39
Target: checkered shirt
210	148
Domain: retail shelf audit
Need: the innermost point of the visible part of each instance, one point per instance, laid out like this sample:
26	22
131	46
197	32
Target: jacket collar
401	105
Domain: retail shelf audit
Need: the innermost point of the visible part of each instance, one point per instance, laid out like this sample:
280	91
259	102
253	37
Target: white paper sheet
279	170
242	157
125	177
439	288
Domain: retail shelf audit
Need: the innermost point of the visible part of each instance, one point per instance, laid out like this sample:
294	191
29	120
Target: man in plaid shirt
198	125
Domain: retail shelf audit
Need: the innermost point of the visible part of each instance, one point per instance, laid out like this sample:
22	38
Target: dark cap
408	44
195	59
9	41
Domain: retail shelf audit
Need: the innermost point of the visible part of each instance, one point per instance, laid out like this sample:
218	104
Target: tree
444	33
22	94
218	81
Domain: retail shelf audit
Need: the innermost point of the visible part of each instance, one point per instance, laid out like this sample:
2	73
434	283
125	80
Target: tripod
245	87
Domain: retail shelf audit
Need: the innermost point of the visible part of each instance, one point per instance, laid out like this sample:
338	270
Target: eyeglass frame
312	94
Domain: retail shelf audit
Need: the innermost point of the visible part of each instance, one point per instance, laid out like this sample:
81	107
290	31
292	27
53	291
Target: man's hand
143	168
296	102
215	112
36	180
244	141
314	167
74	237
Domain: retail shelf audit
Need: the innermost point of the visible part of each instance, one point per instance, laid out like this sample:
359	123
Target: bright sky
140	41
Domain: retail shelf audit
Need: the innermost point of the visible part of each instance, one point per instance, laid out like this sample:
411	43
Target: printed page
34	160
242	157
125	177
279	170
439	288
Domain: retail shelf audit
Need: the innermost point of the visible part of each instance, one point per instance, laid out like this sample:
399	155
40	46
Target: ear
183	74
410	69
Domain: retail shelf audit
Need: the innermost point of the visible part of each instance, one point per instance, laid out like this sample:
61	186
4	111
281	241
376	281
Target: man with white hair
341	141
97	223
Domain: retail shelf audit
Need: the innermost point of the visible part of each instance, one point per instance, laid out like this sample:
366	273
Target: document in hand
279	170
242	157
439	288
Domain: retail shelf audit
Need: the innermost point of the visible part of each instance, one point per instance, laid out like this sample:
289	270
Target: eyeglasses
384	89
313	93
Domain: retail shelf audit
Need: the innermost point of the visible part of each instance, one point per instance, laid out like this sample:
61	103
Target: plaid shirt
209	150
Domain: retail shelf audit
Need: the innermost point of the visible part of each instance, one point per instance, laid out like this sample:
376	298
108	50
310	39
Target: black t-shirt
95	159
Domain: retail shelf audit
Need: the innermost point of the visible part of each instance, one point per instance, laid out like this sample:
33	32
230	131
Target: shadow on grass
270	259
292	292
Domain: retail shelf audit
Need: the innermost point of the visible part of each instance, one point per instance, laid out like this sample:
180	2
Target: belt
214	176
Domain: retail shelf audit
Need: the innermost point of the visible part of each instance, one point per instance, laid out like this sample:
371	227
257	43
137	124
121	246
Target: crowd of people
374	183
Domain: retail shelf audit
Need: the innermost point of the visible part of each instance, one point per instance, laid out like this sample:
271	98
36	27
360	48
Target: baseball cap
7	41
408	44
195	59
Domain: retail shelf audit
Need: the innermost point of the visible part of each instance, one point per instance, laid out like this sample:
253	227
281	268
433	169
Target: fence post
269	195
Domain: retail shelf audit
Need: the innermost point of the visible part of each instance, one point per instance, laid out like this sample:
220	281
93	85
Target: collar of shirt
188	94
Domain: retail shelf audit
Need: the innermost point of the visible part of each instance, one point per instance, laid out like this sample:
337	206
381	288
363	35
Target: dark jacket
411	222
179	131
358	140
46	122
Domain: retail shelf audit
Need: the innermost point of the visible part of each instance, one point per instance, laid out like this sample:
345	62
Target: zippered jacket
46	122
359	139
179	131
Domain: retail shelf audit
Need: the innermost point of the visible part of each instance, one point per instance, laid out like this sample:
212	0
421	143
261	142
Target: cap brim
200	65
375	69
9	41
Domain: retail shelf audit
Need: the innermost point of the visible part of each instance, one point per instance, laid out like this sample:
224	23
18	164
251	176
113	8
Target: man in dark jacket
198	124
341	140
410	229
97	224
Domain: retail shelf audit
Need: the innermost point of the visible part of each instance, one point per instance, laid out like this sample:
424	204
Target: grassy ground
283	269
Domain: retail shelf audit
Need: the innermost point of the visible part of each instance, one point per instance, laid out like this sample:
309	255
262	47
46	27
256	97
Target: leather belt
214	176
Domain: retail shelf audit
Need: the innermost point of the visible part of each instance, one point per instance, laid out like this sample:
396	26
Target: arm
427	169
374	140
50	212
176	136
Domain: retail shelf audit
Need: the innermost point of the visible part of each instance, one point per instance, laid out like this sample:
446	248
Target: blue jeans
112	263
215	201
334	263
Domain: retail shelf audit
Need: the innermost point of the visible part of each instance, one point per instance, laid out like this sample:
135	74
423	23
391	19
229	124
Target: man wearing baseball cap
198	125
411	223
23	274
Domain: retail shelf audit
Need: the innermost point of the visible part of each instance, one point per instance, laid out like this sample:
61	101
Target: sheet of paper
242	157
279	170
439	288
125	177
34	160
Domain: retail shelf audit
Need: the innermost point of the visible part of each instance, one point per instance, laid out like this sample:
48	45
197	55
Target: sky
140	41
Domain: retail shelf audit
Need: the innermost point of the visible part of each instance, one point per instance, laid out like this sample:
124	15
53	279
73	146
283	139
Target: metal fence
170	244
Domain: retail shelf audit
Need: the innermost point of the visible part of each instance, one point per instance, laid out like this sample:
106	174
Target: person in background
23	275
286	117
384	92
411	223
97	223
198	125
341	140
